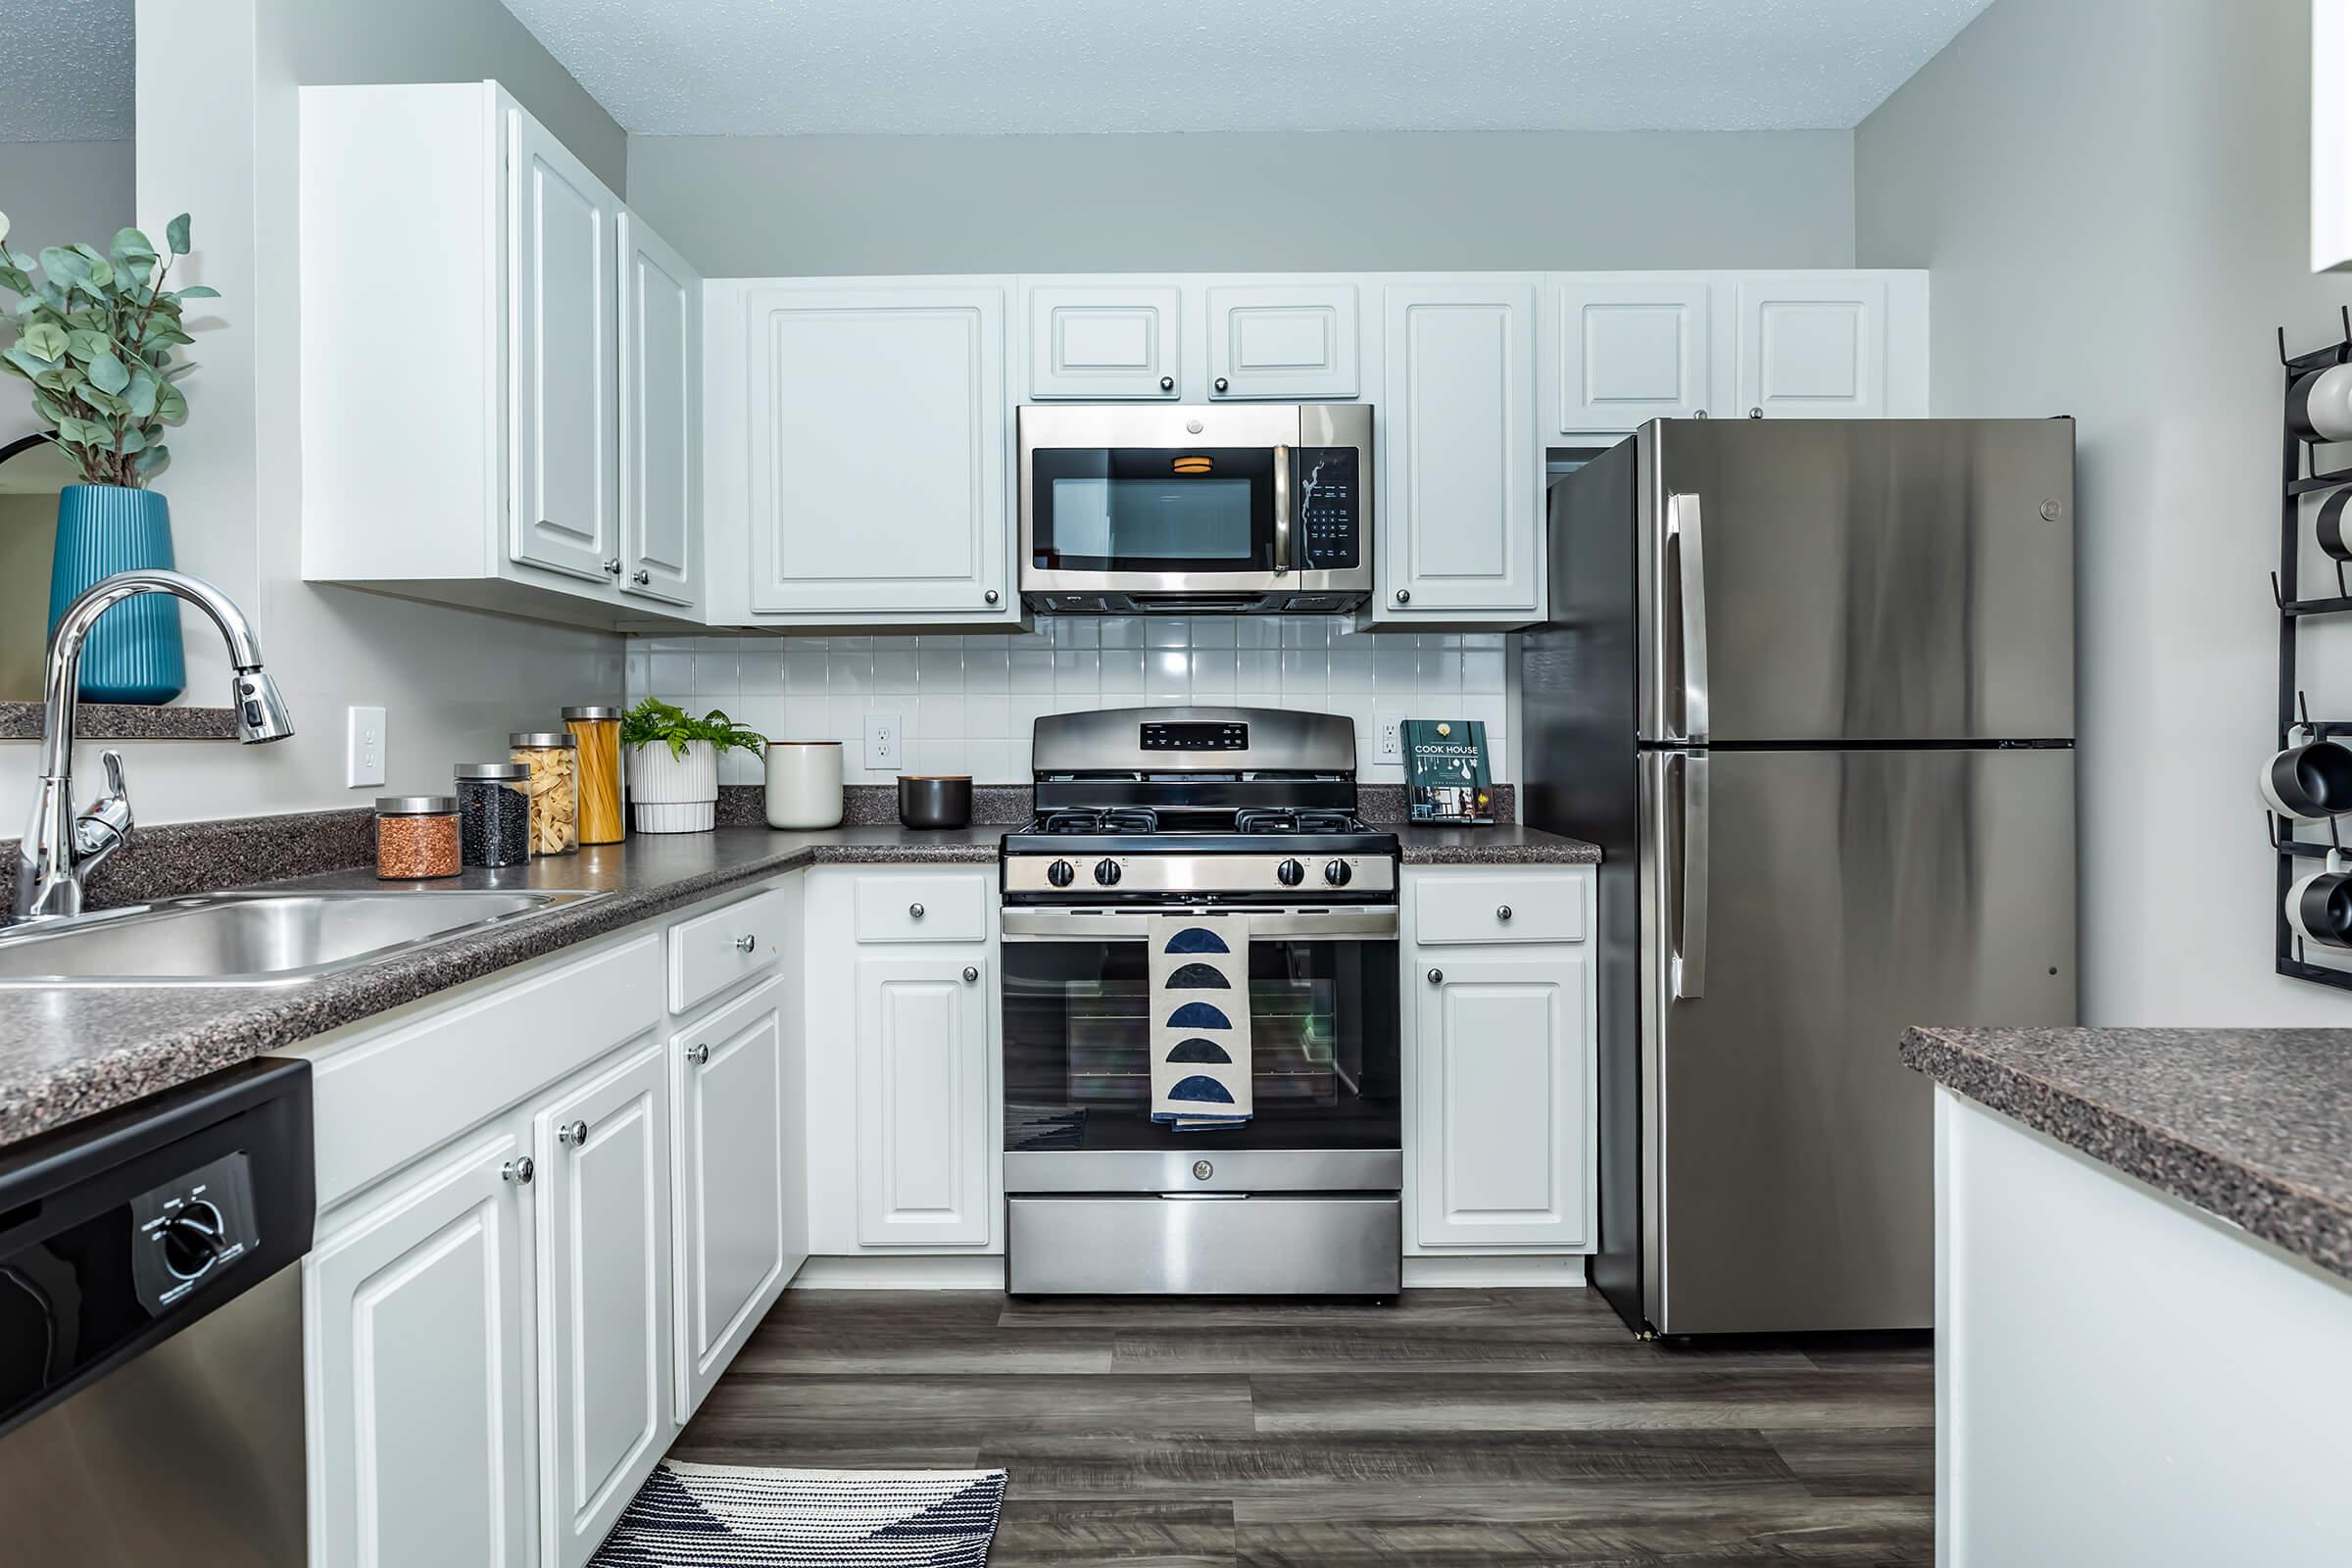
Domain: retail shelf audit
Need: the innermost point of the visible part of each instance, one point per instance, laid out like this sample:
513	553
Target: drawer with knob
947	907
712	952
1517	907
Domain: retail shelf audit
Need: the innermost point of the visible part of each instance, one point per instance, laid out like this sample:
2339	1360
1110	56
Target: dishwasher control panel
188	1231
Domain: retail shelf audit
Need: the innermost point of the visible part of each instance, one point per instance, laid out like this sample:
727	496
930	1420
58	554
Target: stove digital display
1196	736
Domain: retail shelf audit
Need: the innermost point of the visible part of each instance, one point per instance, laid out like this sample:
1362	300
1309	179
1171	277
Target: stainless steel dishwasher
151	1329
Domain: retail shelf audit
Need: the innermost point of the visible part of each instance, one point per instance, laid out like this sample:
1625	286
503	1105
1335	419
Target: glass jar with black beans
494	812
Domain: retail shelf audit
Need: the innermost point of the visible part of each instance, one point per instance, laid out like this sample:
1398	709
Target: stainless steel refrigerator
1810	685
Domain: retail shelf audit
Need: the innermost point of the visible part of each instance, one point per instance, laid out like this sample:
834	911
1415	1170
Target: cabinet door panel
660	416
1630	350
414	1320
1117	341
733	1184
923	1139
1813	348
1503	1102
603	1182
878	462
1283	341
565	365
1457	507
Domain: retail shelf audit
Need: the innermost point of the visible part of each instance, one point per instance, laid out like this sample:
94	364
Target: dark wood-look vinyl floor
1457	1428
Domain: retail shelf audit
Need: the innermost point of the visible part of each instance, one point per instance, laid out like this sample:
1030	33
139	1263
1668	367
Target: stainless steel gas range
1215	813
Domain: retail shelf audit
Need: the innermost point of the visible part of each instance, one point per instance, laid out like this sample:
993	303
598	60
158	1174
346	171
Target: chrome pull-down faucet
59	848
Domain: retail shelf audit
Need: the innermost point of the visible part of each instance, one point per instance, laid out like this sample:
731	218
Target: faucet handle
106	825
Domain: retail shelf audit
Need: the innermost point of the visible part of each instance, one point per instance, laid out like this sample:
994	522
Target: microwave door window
1146	509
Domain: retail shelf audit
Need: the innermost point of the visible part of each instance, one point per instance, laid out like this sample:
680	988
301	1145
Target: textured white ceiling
1000	67
65	71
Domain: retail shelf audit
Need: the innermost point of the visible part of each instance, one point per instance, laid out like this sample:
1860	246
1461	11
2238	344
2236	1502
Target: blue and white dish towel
1200	1020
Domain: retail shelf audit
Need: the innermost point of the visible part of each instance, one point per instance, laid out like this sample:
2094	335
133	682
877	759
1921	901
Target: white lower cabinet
603	1163
742	1222
1500	1064
924	1048
414	1324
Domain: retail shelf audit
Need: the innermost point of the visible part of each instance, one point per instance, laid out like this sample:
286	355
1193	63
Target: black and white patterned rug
693	1515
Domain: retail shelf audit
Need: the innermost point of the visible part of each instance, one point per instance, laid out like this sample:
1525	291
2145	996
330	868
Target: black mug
2309	782
2319	905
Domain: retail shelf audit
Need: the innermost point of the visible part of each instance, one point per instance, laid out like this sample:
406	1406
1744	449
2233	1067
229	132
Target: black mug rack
2301	477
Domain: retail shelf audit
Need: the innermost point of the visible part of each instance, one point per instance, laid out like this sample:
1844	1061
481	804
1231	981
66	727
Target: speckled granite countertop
67	1051
1508	844
2251	1125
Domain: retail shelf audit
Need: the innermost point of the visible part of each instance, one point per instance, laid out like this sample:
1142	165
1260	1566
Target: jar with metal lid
554	758
596	729
494	807
415	837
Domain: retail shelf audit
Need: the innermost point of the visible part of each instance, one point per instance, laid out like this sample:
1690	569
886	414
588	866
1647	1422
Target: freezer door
1803	907
1857	580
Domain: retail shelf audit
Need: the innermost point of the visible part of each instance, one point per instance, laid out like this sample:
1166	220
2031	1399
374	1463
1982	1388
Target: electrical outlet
1389	745
882	742
364	746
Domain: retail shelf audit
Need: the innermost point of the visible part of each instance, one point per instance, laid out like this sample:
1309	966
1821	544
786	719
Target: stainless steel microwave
1223	508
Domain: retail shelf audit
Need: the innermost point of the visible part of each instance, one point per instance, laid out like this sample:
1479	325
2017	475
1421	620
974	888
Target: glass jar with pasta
553	757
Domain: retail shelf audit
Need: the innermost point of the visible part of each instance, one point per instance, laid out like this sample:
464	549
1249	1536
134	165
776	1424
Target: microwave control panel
1325	482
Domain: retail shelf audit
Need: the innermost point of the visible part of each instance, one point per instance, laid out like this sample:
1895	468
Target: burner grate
1102	819
1272	819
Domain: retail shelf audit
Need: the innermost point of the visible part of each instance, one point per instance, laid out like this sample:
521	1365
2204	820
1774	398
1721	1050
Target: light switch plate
1388	746
882	741
364	746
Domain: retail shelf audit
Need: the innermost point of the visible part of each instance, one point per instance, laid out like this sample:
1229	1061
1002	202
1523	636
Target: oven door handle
1372	922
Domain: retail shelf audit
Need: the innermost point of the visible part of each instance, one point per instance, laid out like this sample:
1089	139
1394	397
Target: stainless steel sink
252	938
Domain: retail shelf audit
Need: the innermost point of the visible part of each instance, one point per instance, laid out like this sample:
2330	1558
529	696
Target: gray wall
333	42
1315	201
2116	219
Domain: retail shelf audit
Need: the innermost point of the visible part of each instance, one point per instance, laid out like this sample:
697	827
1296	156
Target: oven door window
1323	1047
1147	509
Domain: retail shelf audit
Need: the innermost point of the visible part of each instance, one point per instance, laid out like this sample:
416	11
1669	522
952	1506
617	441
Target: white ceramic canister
803	784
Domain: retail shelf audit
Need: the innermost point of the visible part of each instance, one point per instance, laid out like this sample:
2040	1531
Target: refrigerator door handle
1683	529
1690	937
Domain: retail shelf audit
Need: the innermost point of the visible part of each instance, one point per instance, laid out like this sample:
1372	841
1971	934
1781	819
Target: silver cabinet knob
700	1056
1220	383
914	911
746	942
614	566
1755	414
1503	911
518	1171
573	1133
991	597
1437	977
641	577
1404	596
1167	383
970	973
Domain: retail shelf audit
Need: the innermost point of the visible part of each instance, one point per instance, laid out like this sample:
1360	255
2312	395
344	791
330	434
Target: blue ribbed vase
133	654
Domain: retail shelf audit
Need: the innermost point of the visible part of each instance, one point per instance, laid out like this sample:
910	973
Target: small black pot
935	800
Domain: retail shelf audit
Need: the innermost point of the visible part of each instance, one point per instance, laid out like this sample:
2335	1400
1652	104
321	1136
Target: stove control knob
1289	873
1107	872
1337	872
1061	873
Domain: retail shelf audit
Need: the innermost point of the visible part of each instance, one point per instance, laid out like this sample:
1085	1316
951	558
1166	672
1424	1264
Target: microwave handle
1281	510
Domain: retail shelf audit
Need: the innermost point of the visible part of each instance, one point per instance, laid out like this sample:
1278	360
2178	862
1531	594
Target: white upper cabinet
563	362
1629	346
661	418
1118	340
1832	345
1289	342
483	465
875	452
1459	534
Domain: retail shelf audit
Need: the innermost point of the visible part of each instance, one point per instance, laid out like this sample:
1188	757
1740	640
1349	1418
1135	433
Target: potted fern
673	764
94	332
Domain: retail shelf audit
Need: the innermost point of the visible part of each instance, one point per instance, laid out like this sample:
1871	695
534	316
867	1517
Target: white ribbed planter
673	794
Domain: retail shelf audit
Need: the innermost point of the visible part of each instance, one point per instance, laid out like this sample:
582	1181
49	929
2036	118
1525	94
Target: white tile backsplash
966	704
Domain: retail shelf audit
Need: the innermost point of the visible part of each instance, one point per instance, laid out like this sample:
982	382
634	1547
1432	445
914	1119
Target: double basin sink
253	939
